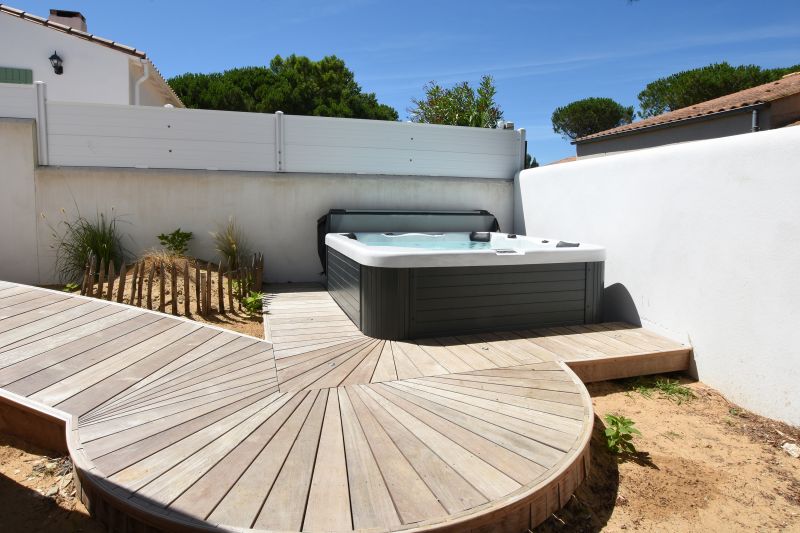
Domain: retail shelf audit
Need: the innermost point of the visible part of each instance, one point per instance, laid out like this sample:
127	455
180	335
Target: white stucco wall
278	212
92	73
706	238
17	213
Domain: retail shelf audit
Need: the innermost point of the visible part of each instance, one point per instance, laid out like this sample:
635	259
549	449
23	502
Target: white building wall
705	236
92	73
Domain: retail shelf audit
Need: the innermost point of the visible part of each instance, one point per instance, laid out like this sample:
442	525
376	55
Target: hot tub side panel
344	284
465	299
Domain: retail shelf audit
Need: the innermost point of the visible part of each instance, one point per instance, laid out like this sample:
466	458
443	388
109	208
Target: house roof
72	31
564	160
108	43
761	94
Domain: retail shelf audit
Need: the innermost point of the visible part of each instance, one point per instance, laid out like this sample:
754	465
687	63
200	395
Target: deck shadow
590	508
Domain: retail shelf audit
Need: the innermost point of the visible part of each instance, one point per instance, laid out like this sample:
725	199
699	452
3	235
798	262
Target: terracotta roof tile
775	90
565	160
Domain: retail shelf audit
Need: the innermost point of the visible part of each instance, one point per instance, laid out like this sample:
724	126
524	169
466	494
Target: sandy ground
37	492
704	465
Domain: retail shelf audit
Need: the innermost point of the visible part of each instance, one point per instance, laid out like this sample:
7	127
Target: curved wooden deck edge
111	505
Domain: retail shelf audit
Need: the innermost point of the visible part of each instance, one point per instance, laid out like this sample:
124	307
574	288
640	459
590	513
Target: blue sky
542	54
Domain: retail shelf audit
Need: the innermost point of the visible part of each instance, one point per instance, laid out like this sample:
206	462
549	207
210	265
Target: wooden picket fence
101	281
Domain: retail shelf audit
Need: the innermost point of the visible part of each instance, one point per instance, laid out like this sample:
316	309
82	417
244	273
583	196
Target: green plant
460	105
76	240
619	434
71	287
176	242
253	302
665	387
230	242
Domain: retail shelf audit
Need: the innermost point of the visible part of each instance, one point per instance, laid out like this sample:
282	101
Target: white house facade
92	69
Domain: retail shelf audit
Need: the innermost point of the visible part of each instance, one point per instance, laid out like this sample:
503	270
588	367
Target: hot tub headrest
480	236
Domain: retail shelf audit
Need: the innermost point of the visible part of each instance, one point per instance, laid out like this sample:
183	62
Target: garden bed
178	285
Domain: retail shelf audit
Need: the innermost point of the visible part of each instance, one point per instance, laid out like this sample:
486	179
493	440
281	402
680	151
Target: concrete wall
277	211
705	237
92	73
722	126
17	212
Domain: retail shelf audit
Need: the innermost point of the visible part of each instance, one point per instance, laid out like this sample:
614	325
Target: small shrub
76	240
253	302
619	434
177	242
230	242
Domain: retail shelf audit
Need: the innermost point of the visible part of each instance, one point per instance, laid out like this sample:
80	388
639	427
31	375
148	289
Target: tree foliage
590	115
295	85
530	161
697	85
460	105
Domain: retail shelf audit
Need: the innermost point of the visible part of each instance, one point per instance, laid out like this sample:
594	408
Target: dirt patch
703	465
37	492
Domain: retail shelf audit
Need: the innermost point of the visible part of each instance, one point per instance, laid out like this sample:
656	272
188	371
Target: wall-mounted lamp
57	63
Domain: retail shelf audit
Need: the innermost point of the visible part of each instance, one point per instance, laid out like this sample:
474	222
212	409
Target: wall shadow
590	508
618	305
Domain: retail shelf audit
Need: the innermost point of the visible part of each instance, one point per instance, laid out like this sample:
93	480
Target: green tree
530	161
697	85
460	105
295	85
590	115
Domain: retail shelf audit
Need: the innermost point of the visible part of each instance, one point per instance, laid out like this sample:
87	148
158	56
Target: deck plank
328	505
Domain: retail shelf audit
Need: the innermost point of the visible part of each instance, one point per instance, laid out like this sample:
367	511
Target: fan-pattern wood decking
182	426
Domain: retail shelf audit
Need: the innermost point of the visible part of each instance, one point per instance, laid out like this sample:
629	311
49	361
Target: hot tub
409	285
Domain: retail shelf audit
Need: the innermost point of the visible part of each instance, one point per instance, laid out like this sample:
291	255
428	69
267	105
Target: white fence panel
157	137
17	100
337	145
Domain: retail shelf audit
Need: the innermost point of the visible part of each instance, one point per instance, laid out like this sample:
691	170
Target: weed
177	242
231	243
71	287
76	240
253	302
619	434
665	387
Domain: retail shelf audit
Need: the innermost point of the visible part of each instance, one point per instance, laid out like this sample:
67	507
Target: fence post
150	287
41	122
220	289
173	285
279	144
186	296
101	278
161	276
110	290
132	299
230	291
121	285
140	285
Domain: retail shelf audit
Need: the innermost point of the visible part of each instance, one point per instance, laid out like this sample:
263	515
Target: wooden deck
180	426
